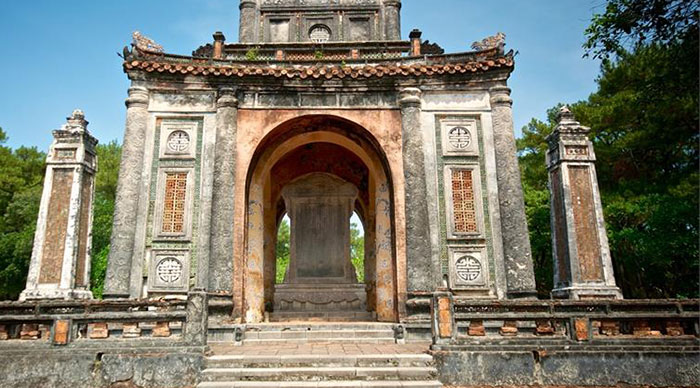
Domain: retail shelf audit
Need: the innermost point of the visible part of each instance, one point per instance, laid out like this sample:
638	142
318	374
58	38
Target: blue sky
61	55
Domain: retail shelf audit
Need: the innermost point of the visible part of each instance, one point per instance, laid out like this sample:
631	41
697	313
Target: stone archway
267	176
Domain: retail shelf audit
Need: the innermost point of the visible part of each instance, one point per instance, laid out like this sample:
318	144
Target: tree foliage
644	120
108	157
627	25
21	176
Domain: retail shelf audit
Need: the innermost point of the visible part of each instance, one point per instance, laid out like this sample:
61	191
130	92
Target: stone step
312	360
316	334
307	326
319	373
321	384
330	316
340	340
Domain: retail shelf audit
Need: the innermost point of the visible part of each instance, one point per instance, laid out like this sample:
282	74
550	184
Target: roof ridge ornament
491	42
145	43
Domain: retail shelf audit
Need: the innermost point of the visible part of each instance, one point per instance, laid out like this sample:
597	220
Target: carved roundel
468	268
459	137
169	270
320	33
178	141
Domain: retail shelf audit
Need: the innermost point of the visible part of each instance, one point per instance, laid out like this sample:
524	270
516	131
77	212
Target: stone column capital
138	97
392	3
410	97
227	98
500	95
247	4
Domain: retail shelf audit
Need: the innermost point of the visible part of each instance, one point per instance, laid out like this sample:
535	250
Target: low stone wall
138	343
142	367
594	342
578	368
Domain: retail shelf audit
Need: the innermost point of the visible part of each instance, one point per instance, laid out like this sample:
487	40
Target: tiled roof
328	71
318	71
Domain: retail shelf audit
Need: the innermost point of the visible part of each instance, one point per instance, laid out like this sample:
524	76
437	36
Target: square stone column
519	268
119	263
421	269
60	263
582	265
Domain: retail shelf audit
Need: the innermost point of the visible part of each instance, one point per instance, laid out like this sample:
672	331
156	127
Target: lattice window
463	202
174	202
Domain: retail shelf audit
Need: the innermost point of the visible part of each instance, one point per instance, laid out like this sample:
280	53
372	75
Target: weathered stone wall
499	366
458	137
101	368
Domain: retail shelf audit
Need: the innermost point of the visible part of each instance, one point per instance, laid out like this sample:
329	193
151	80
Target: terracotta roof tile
161	65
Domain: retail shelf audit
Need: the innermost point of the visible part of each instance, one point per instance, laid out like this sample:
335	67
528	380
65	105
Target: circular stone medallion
468	268
459	138
178	141
169	270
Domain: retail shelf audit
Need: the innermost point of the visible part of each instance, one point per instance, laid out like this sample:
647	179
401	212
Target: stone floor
335	349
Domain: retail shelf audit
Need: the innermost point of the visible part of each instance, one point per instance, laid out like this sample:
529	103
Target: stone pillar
219	40
582	265
220	273
247	26
418	247
520	276
60	263
117	279
392	19
415	42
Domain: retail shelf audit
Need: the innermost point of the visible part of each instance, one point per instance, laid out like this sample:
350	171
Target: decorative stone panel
459	138
463	201
173	208
178	139
169	271
469	268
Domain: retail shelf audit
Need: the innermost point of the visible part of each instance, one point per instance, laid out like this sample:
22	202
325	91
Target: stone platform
319	297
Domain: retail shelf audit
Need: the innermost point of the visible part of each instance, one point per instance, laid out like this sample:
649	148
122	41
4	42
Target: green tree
108	158
357	251
282	251
627	25
21	175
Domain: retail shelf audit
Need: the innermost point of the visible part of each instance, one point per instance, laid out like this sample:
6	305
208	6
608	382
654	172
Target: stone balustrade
465	322
91	323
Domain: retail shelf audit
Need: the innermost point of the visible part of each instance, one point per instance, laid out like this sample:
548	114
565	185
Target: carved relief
178	139
178	142
468	267
320	33
169	270
459	138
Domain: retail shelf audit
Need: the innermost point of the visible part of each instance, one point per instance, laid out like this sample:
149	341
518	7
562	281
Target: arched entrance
342	162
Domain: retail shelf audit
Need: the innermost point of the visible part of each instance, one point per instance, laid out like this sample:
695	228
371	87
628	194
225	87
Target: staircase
319	355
